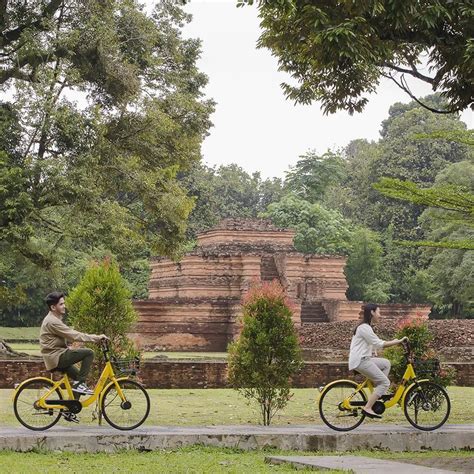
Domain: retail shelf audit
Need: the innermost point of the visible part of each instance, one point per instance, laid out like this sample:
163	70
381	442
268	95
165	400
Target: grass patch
19	333
195	459
32	348
187	407
186	355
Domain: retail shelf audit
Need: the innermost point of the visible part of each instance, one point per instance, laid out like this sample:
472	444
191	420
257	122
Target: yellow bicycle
426	404
40	402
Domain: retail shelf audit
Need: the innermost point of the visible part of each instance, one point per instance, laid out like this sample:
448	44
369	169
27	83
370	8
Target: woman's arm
395	342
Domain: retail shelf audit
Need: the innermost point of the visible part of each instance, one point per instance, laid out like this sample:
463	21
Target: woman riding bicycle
364	343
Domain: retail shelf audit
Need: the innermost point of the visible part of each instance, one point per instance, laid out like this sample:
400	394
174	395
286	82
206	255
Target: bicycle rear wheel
129	413
25	407
427	406
334	414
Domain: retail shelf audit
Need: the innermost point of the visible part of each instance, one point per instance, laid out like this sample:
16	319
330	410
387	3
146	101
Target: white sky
254	125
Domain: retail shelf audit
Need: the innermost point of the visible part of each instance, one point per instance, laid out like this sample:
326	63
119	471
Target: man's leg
73	356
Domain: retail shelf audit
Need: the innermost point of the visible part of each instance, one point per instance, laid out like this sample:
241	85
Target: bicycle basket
429	367
127	366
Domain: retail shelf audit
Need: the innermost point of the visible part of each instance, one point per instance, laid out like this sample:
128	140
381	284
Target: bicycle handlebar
407	350
105	345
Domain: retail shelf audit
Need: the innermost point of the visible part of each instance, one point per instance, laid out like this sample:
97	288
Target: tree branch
413	72
404	86
10	36
33	60
3	13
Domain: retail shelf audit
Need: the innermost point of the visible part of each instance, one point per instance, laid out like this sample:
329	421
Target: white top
363	343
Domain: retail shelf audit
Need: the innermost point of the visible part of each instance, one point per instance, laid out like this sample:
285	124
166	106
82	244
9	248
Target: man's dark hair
53	298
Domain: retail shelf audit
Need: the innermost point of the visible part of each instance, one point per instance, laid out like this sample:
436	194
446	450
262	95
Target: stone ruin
194	304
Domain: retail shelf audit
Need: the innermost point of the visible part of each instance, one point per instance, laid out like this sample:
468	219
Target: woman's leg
383	364
380	380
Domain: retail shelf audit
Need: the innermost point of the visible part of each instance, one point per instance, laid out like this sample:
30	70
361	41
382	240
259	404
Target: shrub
267	353
420	337
101	304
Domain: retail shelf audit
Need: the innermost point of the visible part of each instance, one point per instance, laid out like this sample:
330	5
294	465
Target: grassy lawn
195	459
227	407
31	348
19	333
186	355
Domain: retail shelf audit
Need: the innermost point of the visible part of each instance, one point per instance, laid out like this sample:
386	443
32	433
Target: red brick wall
188	374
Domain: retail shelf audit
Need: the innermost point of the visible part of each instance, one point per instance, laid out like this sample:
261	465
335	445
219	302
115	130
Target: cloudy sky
254	125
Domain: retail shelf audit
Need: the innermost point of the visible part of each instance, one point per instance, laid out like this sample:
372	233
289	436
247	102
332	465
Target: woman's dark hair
367	314
53	298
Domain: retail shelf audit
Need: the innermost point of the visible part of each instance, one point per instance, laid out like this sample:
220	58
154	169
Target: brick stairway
268	269
313	312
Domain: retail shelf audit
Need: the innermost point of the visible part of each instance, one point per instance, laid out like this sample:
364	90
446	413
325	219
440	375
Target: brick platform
208	374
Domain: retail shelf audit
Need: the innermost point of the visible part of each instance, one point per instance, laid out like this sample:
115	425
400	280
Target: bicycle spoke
128	413
26	410
427	406
333	413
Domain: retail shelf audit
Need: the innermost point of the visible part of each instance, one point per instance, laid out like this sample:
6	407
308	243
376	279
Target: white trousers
376	369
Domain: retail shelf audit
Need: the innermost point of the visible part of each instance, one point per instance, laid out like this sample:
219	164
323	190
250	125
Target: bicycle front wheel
427	406
129	413
334	414
26	409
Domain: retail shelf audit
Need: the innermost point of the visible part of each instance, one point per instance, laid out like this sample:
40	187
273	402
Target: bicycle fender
402	400
108	385
28	380
330	384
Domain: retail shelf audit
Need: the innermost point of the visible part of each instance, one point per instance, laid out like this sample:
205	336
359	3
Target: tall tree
313	175
448	223
318	230
227	191
107	109
338	51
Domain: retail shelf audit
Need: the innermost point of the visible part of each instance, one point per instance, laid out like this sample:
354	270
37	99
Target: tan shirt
54	335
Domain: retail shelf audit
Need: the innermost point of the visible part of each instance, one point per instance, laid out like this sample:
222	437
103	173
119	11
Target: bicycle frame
398	396
64	384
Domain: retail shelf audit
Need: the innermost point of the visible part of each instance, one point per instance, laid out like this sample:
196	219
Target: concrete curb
93	439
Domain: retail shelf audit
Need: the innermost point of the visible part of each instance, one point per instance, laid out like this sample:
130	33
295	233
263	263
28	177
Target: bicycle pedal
71	417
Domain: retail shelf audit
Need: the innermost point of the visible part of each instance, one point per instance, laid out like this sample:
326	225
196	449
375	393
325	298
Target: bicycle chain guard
74	406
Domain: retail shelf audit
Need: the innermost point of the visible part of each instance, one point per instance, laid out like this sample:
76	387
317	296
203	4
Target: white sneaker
68	416
81	388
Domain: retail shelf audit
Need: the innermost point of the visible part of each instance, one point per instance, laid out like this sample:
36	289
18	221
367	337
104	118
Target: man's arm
72	335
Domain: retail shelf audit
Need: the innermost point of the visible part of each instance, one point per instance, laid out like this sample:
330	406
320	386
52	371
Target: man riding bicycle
54	335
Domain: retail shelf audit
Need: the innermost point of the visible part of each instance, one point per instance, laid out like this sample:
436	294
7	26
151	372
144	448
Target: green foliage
449	223
420	338
401	155
313	175
101	304
318	230
226	191
339	51
267	354
96	177
364	268
449	197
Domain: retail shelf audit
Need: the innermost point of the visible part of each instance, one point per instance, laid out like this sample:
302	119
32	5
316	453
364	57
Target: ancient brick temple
194	304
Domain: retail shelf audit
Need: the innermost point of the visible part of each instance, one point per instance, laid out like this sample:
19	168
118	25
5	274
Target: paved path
356	464
296	437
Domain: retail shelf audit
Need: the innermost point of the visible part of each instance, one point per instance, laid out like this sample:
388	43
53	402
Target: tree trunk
7	351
